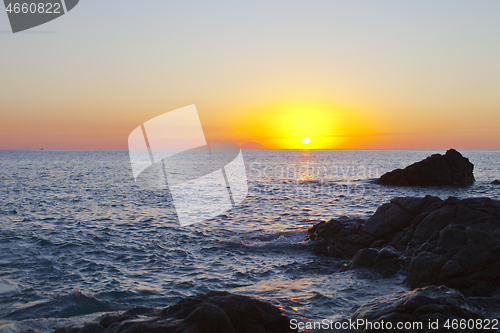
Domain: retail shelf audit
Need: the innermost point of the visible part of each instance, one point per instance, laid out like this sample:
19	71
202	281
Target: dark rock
425	269
465	259
496	182
210	318
216	311
397	216
364	258
337	238
87	328
92	328
420	305
382	227
450	169
140	310
387	262
107	320
404	225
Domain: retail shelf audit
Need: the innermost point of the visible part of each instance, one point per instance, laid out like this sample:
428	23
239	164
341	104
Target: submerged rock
426	305
216	311
415	229
450	169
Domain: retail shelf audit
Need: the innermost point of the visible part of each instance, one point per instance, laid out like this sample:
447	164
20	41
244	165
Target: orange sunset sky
346	74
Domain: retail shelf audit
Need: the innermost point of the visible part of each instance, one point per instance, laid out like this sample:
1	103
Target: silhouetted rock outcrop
418	230
450	169
418	306
216	311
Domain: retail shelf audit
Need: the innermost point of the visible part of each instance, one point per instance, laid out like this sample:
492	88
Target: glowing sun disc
306	140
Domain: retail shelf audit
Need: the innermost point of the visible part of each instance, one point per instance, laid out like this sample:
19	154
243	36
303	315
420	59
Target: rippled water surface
78	236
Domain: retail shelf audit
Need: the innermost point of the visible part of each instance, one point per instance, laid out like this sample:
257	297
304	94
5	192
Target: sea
79	236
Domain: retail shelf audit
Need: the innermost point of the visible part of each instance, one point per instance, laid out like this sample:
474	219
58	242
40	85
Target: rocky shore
429	309
419	309
450	242
213	312
448	249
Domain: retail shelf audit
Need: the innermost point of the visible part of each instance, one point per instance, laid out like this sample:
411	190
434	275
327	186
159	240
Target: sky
347	74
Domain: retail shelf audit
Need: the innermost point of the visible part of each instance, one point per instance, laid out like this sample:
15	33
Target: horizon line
126	149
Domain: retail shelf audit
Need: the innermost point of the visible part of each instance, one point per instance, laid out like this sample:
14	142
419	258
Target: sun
306	140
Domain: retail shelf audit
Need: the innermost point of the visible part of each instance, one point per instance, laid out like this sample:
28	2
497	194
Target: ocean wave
74	303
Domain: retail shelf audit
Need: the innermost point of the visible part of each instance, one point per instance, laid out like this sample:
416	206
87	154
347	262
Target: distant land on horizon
253	145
